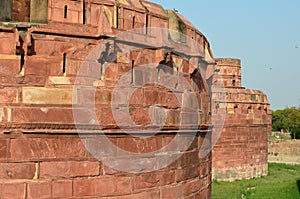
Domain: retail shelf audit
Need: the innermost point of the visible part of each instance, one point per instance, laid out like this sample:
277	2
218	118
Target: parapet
94	18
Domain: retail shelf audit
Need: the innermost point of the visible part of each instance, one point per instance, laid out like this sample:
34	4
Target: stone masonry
45	77
242	148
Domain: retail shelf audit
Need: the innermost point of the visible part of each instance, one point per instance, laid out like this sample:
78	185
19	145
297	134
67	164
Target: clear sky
264	34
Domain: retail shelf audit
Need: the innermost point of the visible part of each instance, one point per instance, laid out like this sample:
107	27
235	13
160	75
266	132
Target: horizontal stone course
60	168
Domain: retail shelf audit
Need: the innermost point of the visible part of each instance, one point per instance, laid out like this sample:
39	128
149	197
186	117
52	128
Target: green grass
279	136
283	182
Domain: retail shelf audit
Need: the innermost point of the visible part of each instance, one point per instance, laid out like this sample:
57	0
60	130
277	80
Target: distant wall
241	149
287	151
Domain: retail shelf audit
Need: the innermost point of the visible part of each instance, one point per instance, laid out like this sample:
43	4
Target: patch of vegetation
288	120
280	136
283	181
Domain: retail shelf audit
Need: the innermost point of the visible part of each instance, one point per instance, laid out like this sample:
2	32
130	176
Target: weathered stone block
43	66
189	118
170	99
124	185
105	117
13	190
190	102
21	11
62	189
151	97
140	116
47	115
177	27
8	43
193	186
6	10
4	148
112	72
173	117
96	96
34	95
137	97
105	185
68	169
9	65
139	145
47	148
17	170
9	95
39	190
186	174
78	68
39	11
84	188
60	80
174	191
153	179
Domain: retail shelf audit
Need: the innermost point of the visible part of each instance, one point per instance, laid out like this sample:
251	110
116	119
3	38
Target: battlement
99	17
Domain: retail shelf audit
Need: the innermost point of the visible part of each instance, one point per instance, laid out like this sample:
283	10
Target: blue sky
264	34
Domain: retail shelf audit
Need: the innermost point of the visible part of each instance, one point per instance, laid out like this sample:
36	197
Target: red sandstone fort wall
59	166
241	150
41	154
284	151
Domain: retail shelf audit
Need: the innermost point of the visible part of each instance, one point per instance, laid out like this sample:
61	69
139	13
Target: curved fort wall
242	148
42	49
